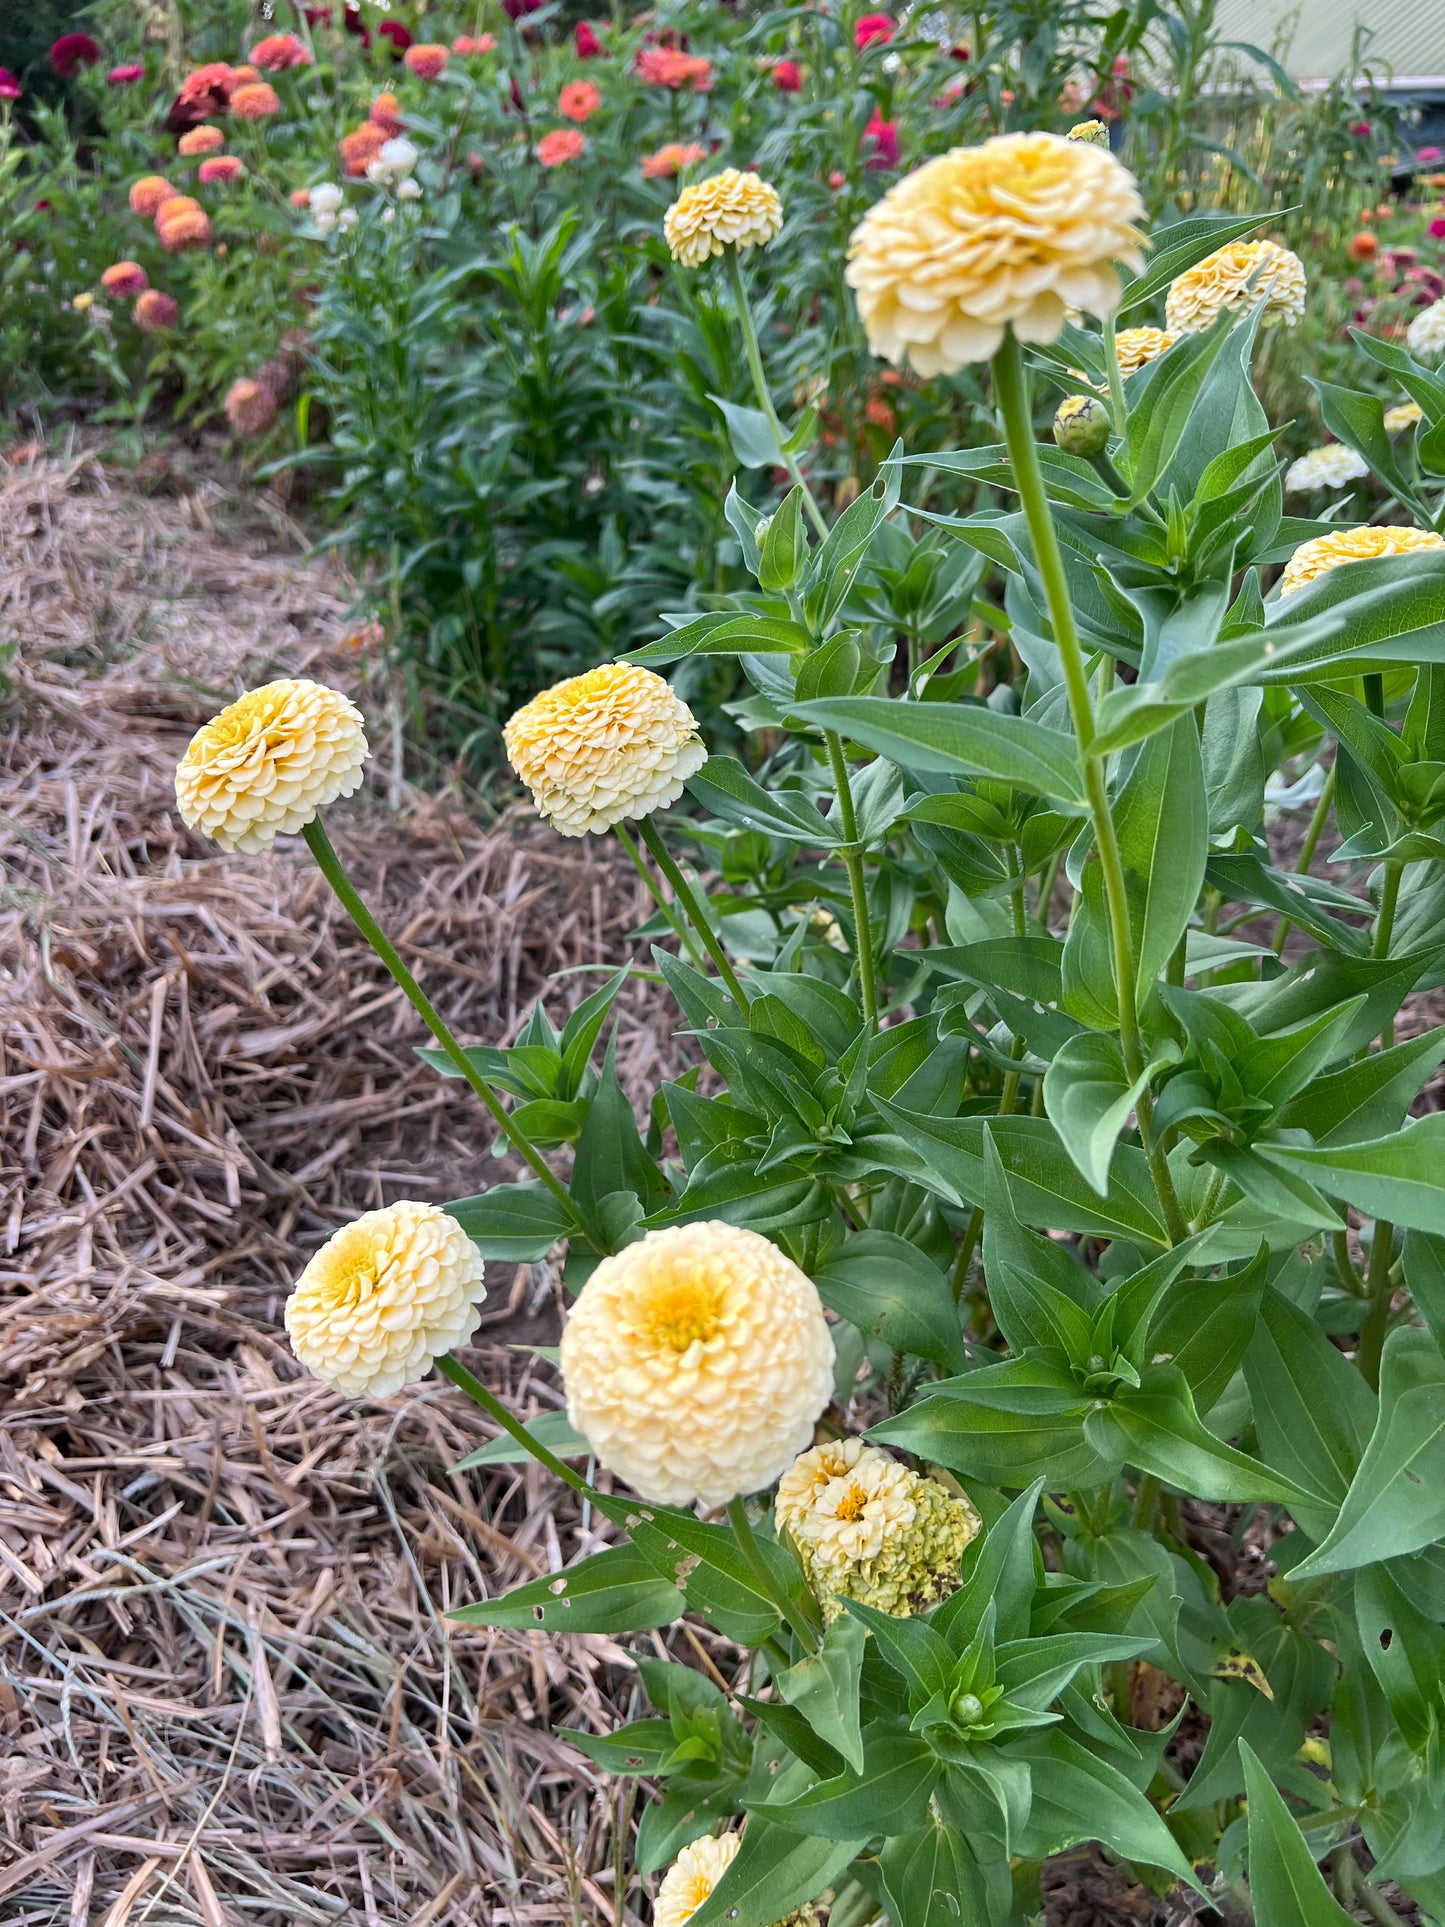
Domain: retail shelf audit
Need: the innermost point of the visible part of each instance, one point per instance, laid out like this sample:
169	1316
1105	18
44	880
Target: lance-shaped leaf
513	1223
1007	1424
1157	1428
723	786
1286	1887
1313	1413
931	1878
889	1289
616	1591
899	1772
1400	1178
1089	1096
823	1687
955	739
1078	1796
773	1874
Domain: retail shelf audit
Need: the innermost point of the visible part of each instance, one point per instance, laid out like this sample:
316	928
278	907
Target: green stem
494	1408
1116	378
965	1252
857	882
1307	853
748	1545
1012	389
664	903
331	868
1381	1289
683	891
764	394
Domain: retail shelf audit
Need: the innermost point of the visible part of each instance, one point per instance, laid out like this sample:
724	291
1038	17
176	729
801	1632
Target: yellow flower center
248	717
681	1312
353	1273
851	1505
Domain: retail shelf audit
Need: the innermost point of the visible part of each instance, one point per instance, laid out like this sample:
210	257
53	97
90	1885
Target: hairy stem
683	891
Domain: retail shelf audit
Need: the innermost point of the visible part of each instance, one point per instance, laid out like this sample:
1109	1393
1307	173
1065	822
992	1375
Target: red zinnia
397	34
873	26
884	136
585	42
788	77
73	50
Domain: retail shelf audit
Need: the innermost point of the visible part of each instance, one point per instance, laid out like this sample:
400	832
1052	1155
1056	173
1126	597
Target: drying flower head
204	139
1011	233
1081	425
255	100
182	223
1235	277
1403	415
578	100
278	51
125	76
562	144
426	60
1341	546
361	146
1095	132
730	209
124	279
148	193
868	1528
73	50
269	762
222	168
155	312
1332	466
614	744
873	29
691	1878
1426	333
696	1363
1134	346
667	67
669	161
384	1298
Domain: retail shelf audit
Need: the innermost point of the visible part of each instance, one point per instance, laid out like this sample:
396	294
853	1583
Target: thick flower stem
663	902
748	1545
331	868
764	394
857	883
494	1408
1012	389
683	891
1381	1286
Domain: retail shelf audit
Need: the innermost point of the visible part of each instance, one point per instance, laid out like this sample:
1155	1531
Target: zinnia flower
585	42
269	762
1331	466
474	43
360	147
83	301
384	1298
155	312
426	60
730	209
1426	333
612	745
1236	277
696	1363
691	1878
667	67
124	279
1404	414
241	75
278	51
209	84
578	100
870	1529
1081	425
386	114
1134	346
201	140
397	34
222	167
1316	558
250	407
562	144
73	50
1012	233
788	77
394	164
873	27
255	100
10	88
182	223
669	161
880	142
125	76
147	194
1093	131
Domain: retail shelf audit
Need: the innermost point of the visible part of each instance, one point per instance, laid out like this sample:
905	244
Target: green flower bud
968	1709
1081	426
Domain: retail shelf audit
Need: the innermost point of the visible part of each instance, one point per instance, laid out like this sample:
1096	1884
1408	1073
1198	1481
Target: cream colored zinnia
1331	466
1325	552
692	1877
731	209
1403	415
1094	132
1013	233
870	1529
1135	346
269	762
1235	277
1426	333
613	745
696	1362
384	1298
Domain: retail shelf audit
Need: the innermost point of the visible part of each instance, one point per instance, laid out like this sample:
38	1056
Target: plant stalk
683	891
663	902
1307	853
748	1545
494	1408
857	882
765	400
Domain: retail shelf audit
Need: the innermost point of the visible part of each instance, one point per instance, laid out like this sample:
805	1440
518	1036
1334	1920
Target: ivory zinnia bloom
730	209
1235	277
607	747
1012	233
269	762
691	1878
1135	346
1331	466
1404	414
1426	333
870	1529
384	1298
1316	558
696	1363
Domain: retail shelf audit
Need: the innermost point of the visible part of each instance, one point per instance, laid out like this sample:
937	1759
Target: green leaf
1425	1275
1388	609
931	1878
1204	1325
707	1566
1157	422
1007	1424
1407	1652
724	786
1157	1428
616	1591
645	1746
1368	1098
1396	1502
1285	1885
751	434
610	1154
1078	1796
1180	246
955	739
785	545
1002	1577
551	1431
899	1773
1313	1413
773	1874
723	635
1088	1097
887	1288
823	1686
1400	1177
1359	421
513	1223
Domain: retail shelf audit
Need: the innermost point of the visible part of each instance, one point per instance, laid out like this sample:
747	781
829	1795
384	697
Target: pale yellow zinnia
1093	132
1013	233
1133	347
696	1363
613	745
384	1298
1331	466
269	762
1325	552
692	1877
731	209
1234	277
1403	415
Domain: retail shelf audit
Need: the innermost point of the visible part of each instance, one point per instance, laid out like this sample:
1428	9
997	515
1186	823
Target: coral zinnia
386	114
730	209
255	100
182	223
1341	546
201	140
124	279
361	146
279	51
384	1298
269	762
614	744
154	312
147	194
474	43
691	1878
578	100
1236	277
1135	346
669	161
1329	467
222	167
667	67
696	1362
1012	233
250	407
562	144
426	60
73	50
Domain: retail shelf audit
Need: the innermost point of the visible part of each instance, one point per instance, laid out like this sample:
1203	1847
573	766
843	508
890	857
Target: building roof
1407	36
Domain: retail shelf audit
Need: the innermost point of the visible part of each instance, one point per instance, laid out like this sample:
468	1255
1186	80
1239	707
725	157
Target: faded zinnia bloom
204	139
155	311
1331	466
255	100
182	223
1403	415
222	168
692	1877
1135	346
562	144
250	407
384	1298
148	193
696	1363
280	50
124	279
1426	333
669	161
1012	233
1326	552
578	100
731	209
269	762
1233	278
604	748
870	1529
426	60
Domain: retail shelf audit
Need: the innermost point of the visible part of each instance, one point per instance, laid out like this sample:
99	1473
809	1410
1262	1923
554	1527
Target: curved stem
683	891
331	868
1115	374
764	394
664	904
494	1408
857	882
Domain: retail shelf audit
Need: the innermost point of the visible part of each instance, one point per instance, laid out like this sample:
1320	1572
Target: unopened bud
1081	426
968	1709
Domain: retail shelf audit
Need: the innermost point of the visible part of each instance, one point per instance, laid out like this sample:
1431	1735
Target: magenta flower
73	50
9	85
125	76
884	136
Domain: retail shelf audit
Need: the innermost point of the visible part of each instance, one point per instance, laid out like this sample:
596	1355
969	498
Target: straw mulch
228	1691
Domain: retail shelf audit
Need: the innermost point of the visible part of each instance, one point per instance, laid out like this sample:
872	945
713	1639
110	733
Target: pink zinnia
125	76
578	100
666	67
474	43
788	77
884	136
73	50
1427	155
125	279
250	407
873	27
279	51
225	167
426	61
1437	228
563	144
585	42
9	85
155	312
1360	129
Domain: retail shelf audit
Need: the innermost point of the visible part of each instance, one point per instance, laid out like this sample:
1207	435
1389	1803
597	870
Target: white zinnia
1332	466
